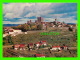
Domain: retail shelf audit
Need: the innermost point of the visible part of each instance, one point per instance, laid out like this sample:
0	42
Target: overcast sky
19	13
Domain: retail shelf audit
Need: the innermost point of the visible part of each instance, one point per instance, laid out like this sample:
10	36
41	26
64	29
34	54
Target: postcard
39	30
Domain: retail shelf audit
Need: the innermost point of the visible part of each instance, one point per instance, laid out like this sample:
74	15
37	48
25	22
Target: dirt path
8	46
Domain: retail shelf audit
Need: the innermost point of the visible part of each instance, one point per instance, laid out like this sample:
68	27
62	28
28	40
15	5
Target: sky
20	13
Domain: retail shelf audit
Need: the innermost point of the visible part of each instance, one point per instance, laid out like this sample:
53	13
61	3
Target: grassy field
47	53
66	37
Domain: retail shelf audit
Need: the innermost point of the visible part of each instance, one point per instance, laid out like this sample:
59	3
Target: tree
4	38
16	27
3	30
39	27
25	27
32	24
3	43
33	27
10	39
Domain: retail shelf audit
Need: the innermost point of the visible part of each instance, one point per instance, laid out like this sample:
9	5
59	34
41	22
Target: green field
68	38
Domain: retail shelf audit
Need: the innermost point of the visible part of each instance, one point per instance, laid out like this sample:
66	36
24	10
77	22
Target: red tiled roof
19	45
16	46
40	43
37	43
10	30
31	44
43	41
22	45
39	55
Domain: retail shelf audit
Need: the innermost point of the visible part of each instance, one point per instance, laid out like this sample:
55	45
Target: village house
59	48
64	47
39	55
6	29
19	46
15	32
38	44
30	46
22	47
55	48
43	43
16	47
11	31
59	25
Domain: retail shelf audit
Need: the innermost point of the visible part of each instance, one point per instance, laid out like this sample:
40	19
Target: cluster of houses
57	24
46	25
12	32
40	20
37	46
71	27
31	46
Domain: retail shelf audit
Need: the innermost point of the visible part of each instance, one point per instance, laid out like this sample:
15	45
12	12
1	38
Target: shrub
3	43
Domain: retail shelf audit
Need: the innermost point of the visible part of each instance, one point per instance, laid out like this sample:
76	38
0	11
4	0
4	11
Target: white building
55	48
15	32
11	32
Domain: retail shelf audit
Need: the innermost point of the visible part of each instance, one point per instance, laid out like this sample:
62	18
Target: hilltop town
39	24
25	40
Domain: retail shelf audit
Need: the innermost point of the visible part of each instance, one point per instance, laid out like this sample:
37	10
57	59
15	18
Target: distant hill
19	24
10	25
71	23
